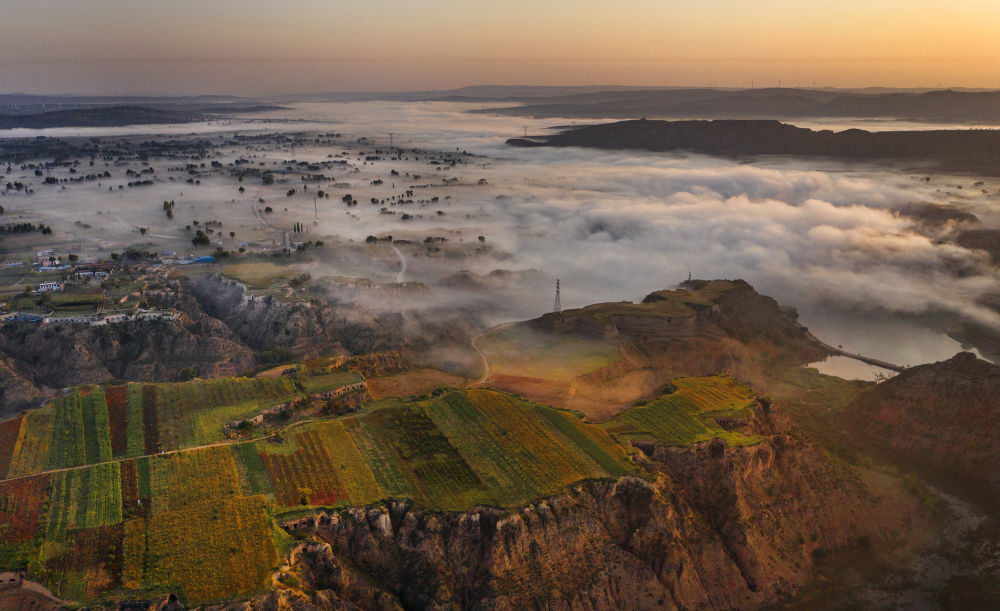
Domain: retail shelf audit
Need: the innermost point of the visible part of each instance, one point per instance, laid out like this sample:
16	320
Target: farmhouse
94	270
49	287
65	320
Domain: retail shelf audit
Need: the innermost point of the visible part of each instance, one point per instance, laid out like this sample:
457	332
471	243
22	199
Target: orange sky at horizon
258	47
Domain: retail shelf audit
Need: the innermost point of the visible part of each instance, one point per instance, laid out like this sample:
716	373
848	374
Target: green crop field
689	414
330	381
93	425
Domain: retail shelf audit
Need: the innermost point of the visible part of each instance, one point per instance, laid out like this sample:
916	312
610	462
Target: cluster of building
94	320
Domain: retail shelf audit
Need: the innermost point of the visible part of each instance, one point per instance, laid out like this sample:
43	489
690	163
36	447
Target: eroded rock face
16	390
64	355
708	526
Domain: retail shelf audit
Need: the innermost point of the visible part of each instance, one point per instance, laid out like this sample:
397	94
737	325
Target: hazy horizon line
596	87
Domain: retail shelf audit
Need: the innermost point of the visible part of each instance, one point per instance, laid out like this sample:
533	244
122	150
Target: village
49	291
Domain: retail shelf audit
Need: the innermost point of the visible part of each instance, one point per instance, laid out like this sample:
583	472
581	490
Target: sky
258	47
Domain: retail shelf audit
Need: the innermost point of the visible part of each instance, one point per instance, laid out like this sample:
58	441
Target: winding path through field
486	362
402	271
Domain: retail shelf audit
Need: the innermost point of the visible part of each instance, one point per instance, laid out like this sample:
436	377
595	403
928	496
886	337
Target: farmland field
200	521
9	431
32	445
258	275
688	414
88	427
116	398
218	549
416	382
330	381
305	476
451	452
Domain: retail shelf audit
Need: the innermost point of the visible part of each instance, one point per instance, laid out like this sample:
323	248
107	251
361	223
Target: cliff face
943	417
327	324
62	355
16	390
707	527
304	328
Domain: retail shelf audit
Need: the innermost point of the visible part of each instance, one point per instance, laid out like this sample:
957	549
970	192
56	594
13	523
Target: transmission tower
557	306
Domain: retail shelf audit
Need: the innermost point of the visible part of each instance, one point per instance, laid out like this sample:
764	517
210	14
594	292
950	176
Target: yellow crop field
349	464
258	275
214	550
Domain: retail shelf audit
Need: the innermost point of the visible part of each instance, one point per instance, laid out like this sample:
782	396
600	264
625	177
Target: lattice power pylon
557	306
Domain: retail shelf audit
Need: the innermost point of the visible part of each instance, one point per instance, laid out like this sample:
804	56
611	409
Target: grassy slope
688	414
523	351
258	275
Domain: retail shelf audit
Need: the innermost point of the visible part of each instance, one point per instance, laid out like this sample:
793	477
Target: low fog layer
617	225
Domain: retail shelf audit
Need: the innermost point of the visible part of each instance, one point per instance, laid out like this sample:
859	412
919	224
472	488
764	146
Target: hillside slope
943	417
601	358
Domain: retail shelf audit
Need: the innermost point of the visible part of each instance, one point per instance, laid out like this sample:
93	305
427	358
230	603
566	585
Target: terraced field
200	521
330	381
693	412
89	426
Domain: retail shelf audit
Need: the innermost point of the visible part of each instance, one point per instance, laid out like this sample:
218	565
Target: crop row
715	392
306	476
22	508
684	416
9	432
84	498
451	452
210	551
92	424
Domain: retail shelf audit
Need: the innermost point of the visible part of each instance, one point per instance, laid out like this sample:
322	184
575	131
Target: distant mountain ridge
955	149
99	117
945	106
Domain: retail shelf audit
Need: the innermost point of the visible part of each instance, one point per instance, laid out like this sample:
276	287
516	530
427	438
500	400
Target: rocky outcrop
943	418
305	328
16	390
66	355
705	527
